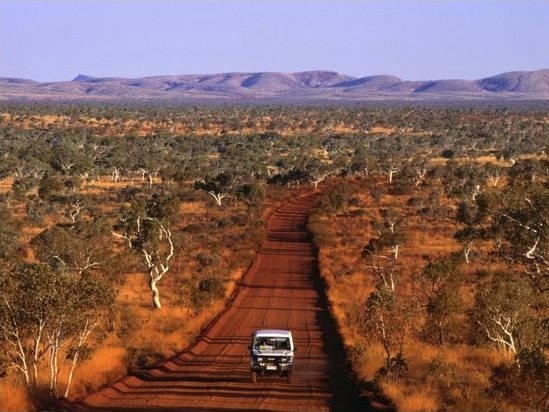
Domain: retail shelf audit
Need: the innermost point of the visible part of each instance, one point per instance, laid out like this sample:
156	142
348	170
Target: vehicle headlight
283	359
259	359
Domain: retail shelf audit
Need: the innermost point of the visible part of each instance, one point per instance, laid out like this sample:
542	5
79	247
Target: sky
53	40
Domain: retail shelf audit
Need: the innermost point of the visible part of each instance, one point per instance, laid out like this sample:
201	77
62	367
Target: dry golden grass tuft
371	360
411	400
14	396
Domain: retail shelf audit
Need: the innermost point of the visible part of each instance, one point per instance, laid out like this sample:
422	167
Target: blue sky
49	40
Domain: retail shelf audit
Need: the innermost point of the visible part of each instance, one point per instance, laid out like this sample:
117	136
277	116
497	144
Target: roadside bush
321	235
139	358
335	200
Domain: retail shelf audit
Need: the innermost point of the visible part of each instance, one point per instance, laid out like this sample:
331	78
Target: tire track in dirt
281	290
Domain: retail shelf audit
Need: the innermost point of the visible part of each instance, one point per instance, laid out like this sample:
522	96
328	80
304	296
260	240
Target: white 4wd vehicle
272	352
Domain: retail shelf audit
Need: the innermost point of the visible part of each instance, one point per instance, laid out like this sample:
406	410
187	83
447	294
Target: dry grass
382	130
451	377
14	396
407	400
372	359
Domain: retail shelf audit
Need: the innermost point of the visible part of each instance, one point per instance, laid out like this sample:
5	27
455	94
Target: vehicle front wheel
254	376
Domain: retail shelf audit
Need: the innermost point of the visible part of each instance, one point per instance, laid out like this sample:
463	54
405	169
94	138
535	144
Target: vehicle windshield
271	343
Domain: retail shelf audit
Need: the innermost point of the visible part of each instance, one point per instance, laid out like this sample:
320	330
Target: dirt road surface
280	291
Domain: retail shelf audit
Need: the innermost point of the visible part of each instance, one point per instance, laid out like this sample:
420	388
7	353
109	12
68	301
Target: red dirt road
281	291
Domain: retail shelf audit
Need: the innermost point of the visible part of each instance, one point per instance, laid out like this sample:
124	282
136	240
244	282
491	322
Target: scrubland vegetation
440	285
124	228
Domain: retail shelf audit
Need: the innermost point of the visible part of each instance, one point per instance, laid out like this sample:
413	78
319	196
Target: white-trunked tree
218	187
50	313
157	247
146	229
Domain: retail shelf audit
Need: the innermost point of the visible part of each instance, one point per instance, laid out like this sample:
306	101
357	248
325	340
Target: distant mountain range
274	86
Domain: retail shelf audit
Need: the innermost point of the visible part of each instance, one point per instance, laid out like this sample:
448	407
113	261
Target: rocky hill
274	86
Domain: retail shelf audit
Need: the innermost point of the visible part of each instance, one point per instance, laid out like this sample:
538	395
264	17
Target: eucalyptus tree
523	384
319	176
421	169
474	216
391	165
464	180
529	171
384	265
253	195
46	313
77	247
521	230
70	157
146	230
218	187
91	303
362	161
504	312
9	240
440	283
495	175
390	319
